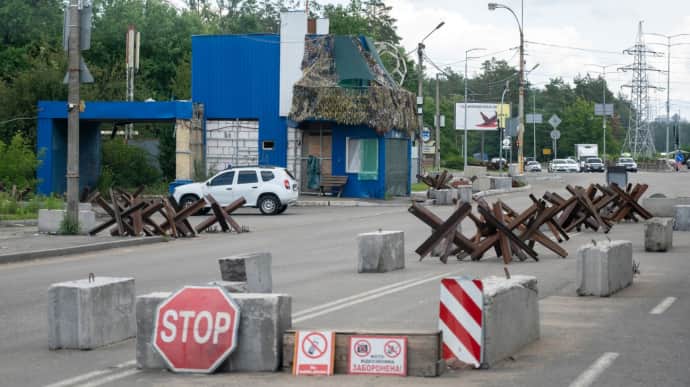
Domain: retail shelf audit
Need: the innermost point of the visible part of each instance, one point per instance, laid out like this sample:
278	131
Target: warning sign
314	353
378	355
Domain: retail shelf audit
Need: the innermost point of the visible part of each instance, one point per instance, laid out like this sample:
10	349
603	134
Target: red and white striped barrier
460	319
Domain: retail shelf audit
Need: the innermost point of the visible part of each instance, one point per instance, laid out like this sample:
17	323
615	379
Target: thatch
319	94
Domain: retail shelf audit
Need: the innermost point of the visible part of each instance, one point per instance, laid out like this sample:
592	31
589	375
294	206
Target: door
397	167
247	185
221	188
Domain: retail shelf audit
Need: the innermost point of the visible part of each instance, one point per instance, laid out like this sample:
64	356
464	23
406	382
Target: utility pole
73	51
437	136
420	104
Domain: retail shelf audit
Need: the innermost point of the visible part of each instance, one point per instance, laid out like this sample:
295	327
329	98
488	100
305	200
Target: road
613	341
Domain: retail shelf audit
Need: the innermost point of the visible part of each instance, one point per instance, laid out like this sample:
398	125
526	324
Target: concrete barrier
87	315
662	206
514	169
252	268
497	182
49	221
604	268
231	286
511	316
444	197
381	251
481	183
472	170
658	234
465	193
682	218
263	320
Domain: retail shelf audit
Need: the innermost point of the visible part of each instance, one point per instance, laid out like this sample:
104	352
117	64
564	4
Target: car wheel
269	205
188	200
282	209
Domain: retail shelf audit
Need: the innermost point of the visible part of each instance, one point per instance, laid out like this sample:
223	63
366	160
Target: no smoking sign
314	353
378	355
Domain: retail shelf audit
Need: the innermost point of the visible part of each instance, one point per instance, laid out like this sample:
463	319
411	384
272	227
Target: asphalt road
611	341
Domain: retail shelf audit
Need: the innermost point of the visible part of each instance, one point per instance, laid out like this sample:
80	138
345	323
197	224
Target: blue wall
355	187
238	77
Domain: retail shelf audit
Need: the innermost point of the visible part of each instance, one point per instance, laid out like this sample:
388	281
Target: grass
419	187
11	209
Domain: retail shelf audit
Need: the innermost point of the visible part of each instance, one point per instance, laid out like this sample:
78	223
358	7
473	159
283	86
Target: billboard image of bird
481	116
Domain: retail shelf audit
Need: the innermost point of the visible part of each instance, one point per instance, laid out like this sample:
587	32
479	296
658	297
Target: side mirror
208	182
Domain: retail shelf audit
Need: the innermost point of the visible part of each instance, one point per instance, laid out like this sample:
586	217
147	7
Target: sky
601	29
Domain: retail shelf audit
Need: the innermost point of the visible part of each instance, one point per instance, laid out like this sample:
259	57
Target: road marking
91	375
592	373
344	303
111	378
663	305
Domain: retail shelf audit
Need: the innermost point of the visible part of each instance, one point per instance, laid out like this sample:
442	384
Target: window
362	156
224	179
247	177
267	144
267	176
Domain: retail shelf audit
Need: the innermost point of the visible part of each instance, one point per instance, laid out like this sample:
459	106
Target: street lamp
420	96
464	144
534	123
521	89
603	93
500	131
668	79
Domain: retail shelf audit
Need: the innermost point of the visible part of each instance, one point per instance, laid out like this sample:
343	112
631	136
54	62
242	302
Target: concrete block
86	315
465	193
682	218
514	169
252	268
49	220
497	182
658	234
604	268
444	197
511	316
481	183
263	320
379	252
231	286
663	206
472	170
146	305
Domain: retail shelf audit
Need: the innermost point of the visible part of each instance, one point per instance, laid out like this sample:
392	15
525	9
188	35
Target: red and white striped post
460	319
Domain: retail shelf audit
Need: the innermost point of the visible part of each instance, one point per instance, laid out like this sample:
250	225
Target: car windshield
532	163
625	160
593	160
570	161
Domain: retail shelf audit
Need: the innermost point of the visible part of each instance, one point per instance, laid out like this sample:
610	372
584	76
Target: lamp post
464	143
521	88
420	95
603	94
534	123
500	132
668	79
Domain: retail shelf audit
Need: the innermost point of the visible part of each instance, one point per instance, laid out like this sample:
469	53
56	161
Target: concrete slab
511	316
49	221
146	306
682	217
663	206
87	315
232	286
380	252
472	171
496	182
252	268
481	183
604	268
658	234
444	197
465	193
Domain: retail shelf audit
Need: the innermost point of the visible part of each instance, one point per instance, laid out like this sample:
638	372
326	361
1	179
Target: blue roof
115	111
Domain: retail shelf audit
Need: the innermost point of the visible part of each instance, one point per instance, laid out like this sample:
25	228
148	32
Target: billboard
481	116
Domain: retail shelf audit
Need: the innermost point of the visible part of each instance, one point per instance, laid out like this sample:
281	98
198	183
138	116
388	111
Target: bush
126	166
18	163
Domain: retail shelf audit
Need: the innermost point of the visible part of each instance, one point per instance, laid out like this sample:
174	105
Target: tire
282	209
269	204
188	200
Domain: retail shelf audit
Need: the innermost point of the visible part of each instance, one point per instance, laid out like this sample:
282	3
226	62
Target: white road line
370	297
592	373
111	378
663	305
91	375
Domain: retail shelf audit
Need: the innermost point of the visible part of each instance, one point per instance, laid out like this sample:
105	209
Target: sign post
604	109
196	328
554	121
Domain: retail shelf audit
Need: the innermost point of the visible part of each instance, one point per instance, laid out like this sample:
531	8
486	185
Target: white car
563	165
270	189
628	163
575	166
533	166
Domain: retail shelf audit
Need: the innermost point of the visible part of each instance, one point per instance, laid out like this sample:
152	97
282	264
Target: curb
493	192
338	203
50	253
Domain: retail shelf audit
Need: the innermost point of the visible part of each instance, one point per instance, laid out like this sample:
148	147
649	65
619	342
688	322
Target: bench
332	182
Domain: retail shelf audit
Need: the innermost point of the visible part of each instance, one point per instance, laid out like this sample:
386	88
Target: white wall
293	27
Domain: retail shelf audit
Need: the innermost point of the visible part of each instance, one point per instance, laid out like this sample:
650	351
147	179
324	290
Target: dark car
594	164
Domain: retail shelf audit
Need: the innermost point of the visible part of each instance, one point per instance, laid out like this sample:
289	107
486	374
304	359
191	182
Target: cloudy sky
599	29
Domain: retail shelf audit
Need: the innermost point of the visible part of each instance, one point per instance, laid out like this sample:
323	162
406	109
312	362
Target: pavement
611	341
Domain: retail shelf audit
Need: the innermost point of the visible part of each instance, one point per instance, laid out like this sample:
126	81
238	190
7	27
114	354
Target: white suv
270	189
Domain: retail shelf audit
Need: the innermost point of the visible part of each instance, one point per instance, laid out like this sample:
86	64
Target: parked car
496	162
563	165
594	164
533	166
270	189
628	163
574	165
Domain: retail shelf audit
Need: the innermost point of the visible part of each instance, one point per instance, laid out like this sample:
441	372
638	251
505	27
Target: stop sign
196	328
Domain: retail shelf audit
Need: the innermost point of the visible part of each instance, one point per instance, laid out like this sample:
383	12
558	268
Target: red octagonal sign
196	328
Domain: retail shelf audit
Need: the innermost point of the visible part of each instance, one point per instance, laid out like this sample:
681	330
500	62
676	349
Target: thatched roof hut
344	81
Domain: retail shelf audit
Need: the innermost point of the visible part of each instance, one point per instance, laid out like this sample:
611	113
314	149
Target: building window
224	179
247	177
267	144
362	155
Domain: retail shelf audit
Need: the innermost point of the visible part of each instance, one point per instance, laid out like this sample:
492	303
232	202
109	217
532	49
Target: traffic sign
196	328
554	121
533	118
506	143
546	151
601	109
426	134
378	355
555	134
314	353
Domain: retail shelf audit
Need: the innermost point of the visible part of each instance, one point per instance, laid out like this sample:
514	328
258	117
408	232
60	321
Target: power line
574	48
